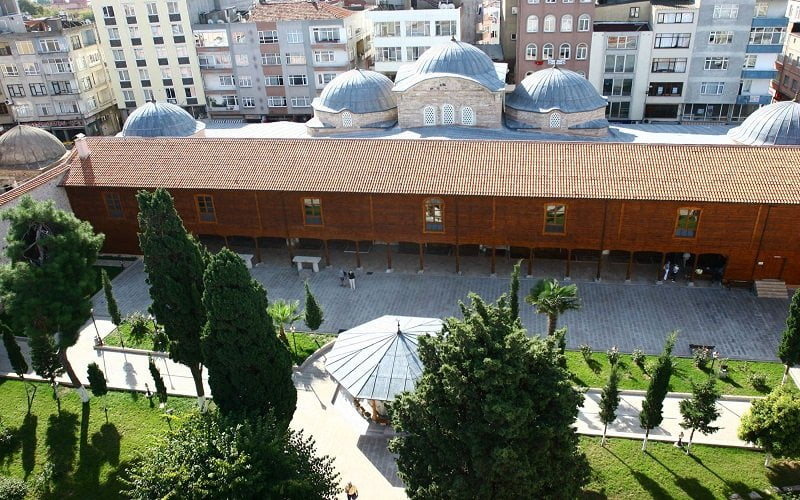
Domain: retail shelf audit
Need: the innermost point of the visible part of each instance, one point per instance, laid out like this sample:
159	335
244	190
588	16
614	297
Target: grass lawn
307	344
88	454
145	343
622	471
632	376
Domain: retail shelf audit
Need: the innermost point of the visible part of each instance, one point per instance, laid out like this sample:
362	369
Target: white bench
248	259
303	259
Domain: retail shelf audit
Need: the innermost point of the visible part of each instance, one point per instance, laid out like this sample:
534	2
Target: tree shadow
594	365
691	486
107	442
731	486
27	437
61	440
651	486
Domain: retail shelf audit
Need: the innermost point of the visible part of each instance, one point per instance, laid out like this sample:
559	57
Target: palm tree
284	314
552	299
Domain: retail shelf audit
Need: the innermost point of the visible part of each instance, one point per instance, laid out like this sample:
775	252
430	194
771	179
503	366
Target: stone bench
248	259
304	259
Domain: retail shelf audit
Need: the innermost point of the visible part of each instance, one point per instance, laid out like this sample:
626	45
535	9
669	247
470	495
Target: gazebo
377	360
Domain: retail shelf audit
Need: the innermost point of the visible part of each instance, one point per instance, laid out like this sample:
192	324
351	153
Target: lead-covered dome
160	119
452	58
29	148
555	89
774	124
357	91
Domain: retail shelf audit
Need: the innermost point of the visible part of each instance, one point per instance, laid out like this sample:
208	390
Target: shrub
160	340
701	356
139	326
586	352
613	355
638	357
43	481
12	488
5	436
759	381
723	368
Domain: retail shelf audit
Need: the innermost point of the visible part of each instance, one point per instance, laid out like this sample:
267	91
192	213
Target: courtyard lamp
97	339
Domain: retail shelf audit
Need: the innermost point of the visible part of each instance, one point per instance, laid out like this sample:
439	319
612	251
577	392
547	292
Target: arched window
581	51
429	116
564	51
549	24
533	1
434	215
583	22
555	120
467	116
531	51
448	114
547	51
533	24
347	119
566	23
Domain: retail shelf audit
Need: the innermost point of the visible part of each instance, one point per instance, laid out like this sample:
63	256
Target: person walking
342	277
675	270
350	489
667	268
351	276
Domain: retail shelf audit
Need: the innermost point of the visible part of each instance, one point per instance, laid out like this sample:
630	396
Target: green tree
18	363
491	415
284	313
31	8
211	457
97	382
772	424
312	316
609	401
158	380
174	262
45	362
789	348
249	368
47	286
111	302
701	409
513	295
550	298
652	407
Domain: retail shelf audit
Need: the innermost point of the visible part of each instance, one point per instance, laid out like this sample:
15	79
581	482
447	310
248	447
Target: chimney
82	147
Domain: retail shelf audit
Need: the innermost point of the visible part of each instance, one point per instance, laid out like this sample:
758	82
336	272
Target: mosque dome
555	89
775	124
452	58
357	91
160	119
29	148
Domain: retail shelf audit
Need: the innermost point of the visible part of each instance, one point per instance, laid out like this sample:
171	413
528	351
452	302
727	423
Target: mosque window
434	215
555	219
347	119
581	51
467	116
584	22
566	23
564	51
688	220
448	114
113	205
533	24
312	211
531	51
555	120
549	24
429	115
547	51
205	208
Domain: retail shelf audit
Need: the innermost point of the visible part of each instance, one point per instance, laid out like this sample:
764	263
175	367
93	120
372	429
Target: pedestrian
675	270
667	267
352	491
351	276
342	277
679	442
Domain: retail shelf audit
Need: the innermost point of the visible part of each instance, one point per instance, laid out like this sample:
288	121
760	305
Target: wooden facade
758	241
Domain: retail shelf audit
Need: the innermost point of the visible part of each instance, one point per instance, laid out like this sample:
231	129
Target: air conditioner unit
513	36
231	108
514	11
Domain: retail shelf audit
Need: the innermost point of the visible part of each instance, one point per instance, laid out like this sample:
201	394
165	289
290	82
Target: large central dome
160	119
452	58
29	148
555	89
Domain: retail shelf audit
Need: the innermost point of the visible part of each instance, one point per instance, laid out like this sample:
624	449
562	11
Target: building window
113	205
327	35
688	219
566	23
324	56
712	88
726	11
245	81
767	36
672	40
446	28
108	12
533	24
298	80
549	24
749	61
547	51
294	37
555	218
761	9
564	51
49	45
467	116
387	29
675	17
716	63
665	89
584	22
298	58
669	65
301	102
555	120
618	110
418	28
434	215
745	87
248	102
312	211
413	53
276	101
205	208
621	42
9	70
325	78
273	81
389	54
271	59
15	90
531	52
269	36
24	48
617	86
634	12
242	60
720	37
38	89
448	114
581	51
429	116
620	63
347	119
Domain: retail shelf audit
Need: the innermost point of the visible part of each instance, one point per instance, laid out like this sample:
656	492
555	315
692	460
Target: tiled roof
30	185
470	168
297	11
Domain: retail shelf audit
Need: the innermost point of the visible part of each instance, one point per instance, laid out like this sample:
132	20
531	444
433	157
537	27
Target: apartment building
301	47
150	52
786	84
489	26
52	76
557	30
401	36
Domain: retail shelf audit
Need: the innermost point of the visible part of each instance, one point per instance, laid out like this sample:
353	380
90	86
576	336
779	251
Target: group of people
350	276
671	271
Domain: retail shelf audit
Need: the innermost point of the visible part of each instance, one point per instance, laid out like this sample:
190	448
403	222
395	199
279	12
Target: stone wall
436	92
360	120
542	120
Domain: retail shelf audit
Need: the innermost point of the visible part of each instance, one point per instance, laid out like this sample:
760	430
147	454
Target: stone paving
631	316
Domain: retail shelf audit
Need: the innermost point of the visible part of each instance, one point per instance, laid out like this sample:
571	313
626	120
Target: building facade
150	52
52	76
786	84
401	36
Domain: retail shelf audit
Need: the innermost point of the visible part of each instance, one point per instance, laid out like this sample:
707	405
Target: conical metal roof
378	360
452	58
29	148
774	124
160	119
555	89
358	91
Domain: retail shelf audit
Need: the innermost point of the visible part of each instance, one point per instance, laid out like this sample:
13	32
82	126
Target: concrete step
771	289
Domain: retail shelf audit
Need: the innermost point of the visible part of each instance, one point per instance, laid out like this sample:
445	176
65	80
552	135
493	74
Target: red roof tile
737	174
297	11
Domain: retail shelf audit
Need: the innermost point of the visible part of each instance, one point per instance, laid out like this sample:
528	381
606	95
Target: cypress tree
111	302
312	315
18	363
513	296
700	410
158	380
609	401
653	404
45	361
789	348
97	382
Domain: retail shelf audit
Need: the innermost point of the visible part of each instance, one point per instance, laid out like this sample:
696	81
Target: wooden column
493	261
327	253
358	257
599	266
258	250
530	263
458	261
226	242
388	256
569	263
694	267
630	266
421	258
291	249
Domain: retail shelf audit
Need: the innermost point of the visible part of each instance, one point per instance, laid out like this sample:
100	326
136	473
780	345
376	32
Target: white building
401	36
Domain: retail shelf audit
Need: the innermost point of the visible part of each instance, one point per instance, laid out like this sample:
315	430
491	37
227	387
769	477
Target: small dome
29	148
357	91
775	124
555	88
455	58
160	119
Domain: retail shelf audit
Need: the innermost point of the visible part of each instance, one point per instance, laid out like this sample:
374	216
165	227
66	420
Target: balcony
753	99
764	49
770	22
759	74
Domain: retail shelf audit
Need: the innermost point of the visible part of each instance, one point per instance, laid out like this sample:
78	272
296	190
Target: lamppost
97	339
